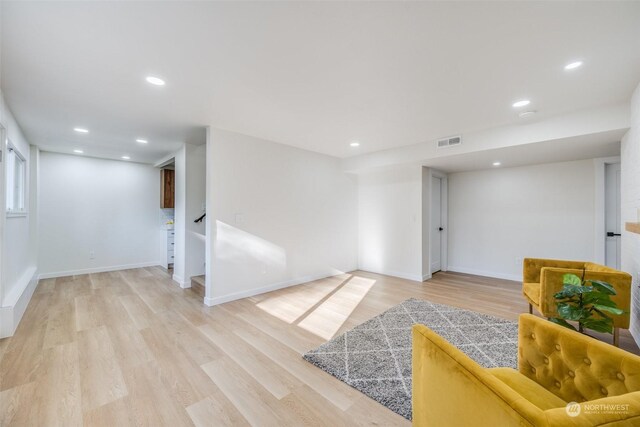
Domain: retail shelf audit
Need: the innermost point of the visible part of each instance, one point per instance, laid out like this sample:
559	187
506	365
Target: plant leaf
608	309
602	286
569	291
570	312
562	322
600	325
571	279
598	298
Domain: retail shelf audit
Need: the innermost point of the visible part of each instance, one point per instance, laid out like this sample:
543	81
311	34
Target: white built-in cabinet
170	245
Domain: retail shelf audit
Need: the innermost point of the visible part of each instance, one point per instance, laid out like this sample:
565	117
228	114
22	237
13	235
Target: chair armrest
451	389
573	366
531	267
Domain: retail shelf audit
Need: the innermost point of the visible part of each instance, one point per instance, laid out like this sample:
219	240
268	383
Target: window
16	176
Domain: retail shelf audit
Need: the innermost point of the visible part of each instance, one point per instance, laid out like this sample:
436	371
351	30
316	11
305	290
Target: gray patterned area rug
375	357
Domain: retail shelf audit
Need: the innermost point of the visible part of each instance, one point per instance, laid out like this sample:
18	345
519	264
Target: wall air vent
449	142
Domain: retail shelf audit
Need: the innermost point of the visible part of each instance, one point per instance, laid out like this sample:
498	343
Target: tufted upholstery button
546	360
620	376
533	370
533	336
571	374
604	391
558	384
587	361
558	347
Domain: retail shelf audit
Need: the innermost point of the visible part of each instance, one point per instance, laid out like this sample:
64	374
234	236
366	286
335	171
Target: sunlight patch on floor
329	316
296	301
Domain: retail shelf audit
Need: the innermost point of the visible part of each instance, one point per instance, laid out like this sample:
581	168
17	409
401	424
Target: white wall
19	234
93	205
630	192
499	216
180	218
196	197
276	215
390	222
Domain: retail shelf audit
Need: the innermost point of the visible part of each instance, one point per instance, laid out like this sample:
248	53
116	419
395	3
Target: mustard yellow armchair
565	379
542	279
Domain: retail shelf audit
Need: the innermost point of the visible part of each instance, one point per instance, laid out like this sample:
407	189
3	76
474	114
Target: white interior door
612	216
436	224
3	145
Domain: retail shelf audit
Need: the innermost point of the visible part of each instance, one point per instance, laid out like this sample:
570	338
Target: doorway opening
612	217
608	222
438	223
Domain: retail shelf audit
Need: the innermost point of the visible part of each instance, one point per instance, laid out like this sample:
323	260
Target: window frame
16	182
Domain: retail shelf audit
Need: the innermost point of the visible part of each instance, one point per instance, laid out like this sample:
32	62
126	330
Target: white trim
426	277
264	289
181	282
208	220
599	206
17	214
505	276
10	315
165	161
392	273
98	270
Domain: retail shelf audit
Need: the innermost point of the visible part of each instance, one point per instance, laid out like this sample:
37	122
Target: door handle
440	228
612	234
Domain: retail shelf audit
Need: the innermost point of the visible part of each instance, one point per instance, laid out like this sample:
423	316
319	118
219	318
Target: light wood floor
132	348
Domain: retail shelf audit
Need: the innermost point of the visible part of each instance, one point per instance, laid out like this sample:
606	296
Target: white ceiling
597	145
311	74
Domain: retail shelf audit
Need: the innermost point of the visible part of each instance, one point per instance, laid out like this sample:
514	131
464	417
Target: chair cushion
532	291
527	388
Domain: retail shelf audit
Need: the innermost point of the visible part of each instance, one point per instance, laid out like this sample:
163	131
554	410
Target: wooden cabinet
167	188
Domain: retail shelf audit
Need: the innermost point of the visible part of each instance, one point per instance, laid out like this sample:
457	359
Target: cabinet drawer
171	233
170	257
170	239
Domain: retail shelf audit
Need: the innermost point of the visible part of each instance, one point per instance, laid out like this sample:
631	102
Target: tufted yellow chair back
572	366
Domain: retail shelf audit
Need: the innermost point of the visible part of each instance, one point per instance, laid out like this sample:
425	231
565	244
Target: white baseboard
11	314
97	270
400	274
475	272
181	282
264	289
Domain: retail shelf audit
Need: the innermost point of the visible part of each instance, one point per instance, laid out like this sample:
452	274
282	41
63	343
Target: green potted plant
587	302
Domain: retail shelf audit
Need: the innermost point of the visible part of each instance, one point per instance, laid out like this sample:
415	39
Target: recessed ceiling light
526	114
155	81
521	103
496	163
573	65
355	144
142	141
125	157
81	130
78	151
